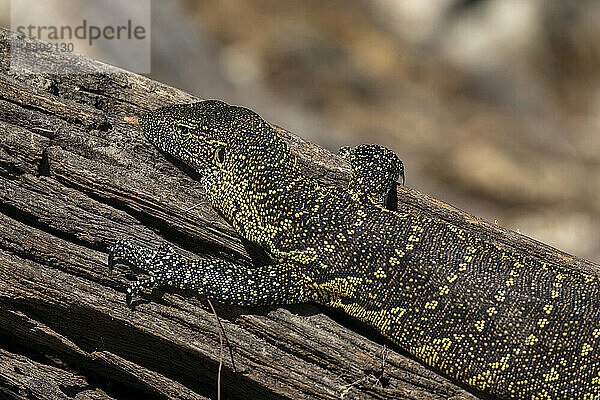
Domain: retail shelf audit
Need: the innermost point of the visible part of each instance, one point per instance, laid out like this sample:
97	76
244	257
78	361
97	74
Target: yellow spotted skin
496	320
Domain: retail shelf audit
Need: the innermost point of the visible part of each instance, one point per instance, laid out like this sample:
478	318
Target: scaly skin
498	321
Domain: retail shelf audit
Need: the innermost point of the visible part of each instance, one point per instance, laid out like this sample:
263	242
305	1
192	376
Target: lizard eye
184	129
220	155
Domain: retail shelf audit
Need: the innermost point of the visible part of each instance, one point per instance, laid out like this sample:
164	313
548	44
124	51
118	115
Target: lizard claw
117	253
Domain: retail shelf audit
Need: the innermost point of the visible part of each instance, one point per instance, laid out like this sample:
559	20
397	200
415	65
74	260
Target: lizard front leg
375	169
216	279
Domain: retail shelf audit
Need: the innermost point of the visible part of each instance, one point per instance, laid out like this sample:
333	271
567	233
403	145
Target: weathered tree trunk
73	180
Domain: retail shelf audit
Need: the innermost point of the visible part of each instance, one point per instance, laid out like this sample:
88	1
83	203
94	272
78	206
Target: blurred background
494	105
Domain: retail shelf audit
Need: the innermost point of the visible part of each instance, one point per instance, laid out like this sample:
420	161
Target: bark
74	179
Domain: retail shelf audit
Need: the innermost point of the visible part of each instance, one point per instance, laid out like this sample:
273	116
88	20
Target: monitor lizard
494	319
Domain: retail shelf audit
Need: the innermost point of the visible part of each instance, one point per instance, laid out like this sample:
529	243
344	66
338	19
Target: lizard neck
251	194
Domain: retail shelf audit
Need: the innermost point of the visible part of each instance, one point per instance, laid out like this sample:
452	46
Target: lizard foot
375	170
159	264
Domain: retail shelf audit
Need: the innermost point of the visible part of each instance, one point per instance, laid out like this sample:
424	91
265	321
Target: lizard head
204	135
232	148
198	134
